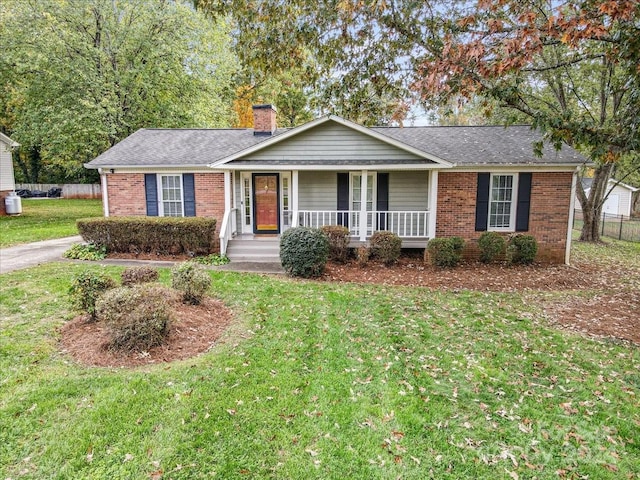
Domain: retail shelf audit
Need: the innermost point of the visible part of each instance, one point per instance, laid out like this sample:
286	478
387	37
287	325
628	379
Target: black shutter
151	194
524	202
382	202
482	201
343	198
189	194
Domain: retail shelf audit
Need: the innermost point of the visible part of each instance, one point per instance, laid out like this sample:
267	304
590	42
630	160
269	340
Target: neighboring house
419	182
7	179
620	197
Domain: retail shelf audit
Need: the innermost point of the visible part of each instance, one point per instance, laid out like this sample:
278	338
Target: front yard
332	380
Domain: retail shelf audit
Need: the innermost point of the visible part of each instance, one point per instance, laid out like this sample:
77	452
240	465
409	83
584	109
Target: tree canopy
77	76
570	68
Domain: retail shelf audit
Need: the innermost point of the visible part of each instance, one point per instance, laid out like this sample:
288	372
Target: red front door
265	203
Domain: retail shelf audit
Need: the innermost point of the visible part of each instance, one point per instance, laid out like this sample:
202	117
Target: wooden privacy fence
613	226
69	190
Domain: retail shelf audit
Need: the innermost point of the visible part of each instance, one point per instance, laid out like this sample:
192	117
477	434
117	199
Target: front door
266	203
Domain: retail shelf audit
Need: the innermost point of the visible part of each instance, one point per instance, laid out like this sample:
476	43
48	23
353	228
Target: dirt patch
195	330
606	315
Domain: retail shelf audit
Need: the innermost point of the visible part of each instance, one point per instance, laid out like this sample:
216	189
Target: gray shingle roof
177	147
462	146
482	145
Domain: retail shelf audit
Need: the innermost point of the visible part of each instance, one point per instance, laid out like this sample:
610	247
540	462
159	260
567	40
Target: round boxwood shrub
522	249
86	288
385	246
141	274
192	280
445	252
491	245
304	252
137	317
338	237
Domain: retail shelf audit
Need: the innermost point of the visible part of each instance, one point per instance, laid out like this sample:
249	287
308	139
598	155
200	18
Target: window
356	191
502	196
171	196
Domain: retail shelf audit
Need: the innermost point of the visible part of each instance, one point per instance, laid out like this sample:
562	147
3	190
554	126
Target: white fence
69	190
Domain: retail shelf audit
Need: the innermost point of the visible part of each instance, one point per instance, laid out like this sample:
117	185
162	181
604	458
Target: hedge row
155	235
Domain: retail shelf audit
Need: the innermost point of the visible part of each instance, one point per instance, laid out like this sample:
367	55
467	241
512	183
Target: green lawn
319	380
44	219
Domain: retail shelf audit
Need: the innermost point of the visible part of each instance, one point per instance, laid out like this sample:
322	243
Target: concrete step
254	250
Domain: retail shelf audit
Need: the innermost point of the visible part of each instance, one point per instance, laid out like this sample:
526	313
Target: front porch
411	226
259	203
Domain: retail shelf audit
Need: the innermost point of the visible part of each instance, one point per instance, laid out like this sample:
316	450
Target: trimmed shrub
491	245
445	252
155	235
134	275
88	251
522	249
338	237
304	252
192	280
362	255
385	246
137	317
86	288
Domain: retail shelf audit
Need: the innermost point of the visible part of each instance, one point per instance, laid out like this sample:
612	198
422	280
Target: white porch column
105	194
363	205
294	198
433	202
227	190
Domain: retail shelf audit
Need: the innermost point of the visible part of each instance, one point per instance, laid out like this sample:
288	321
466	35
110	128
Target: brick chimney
264	119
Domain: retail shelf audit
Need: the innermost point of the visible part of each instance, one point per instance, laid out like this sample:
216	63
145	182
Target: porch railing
228	228
405	224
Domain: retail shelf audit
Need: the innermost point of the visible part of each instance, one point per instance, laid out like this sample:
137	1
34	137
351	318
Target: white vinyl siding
170	195
408	191
332	142
7	181
317	190
502	198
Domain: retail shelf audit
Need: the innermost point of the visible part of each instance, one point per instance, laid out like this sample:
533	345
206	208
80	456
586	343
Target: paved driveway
31	254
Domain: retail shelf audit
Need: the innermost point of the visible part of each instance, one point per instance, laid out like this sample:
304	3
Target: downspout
572	207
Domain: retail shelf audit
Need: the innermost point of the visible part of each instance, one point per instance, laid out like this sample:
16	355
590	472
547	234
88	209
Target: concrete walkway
37	253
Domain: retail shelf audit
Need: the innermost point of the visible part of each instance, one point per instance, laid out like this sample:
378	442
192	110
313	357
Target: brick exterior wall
548	218
126	195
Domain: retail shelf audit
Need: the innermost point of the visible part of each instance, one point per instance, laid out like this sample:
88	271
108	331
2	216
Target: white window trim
514	202
374	187
161	201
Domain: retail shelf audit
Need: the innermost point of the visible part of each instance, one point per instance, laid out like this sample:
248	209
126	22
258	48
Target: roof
5	139
448	146
588	181
483	145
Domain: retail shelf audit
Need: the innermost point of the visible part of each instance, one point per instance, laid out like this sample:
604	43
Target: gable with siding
331	143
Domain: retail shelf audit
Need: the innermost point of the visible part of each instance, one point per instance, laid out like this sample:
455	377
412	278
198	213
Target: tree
570	68
81	75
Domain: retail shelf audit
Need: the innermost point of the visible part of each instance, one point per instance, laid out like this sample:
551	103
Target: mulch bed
196	329
612	313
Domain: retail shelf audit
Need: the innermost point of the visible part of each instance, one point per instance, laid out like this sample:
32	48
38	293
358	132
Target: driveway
36	253
31	254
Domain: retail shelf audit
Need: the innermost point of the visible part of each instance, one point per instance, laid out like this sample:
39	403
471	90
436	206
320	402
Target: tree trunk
592	205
